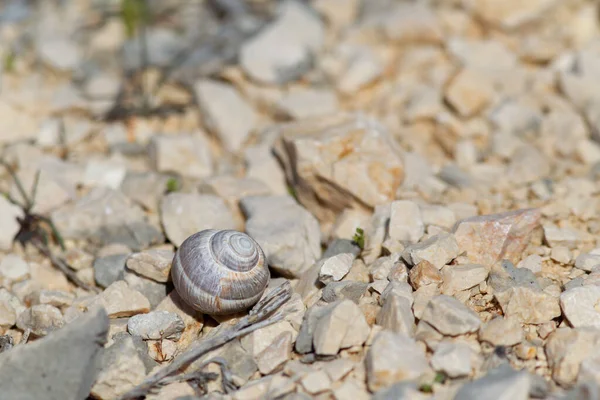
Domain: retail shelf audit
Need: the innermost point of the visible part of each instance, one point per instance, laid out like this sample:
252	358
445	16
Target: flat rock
579	306
41	319
397	315
501	332
183	214
297	32
409	23
453	359
108	216
511	14
276	354
502	383
462	277
308	103
566	349
393	357
62	365
587	261
342	325
13	269
438	250
156	325
335	268
450	316
9	226
424	273
406	224
193	320
487	239
121	368
188	155
469	92
109	269
288	234
154	264
120	300
218	102
340	161
145	188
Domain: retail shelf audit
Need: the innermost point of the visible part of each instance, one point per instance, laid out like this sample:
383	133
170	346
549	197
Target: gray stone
59	52
501	332
502	383
218	102
350	290
183	214
163	45
297	32
453	359
335	268
342	325
13	269
304	341
406	223
154	291
288	234
339	246
145	188
107	216
61	366
450	316
156	325
587	261
397	316
462	277
188	155
109	269
308	102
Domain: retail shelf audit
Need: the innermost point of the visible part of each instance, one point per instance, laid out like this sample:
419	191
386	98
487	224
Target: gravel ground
411	188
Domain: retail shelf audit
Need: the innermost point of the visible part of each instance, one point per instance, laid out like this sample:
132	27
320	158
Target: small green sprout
172	185
428	387
134	13
10	59
359	238
292	192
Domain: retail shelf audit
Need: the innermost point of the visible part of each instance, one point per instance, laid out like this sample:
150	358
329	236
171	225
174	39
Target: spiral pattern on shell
220	271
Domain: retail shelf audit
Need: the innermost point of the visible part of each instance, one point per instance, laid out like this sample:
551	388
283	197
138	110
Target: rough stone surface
489	238
406	223
183	214
41	319
8	222
335	268
462	277
393	357
579	306
287	233
156	325
153	264
500	383
501	332
188	155
343	325
120	300
450	316
63	363
438	250
453	359
340	161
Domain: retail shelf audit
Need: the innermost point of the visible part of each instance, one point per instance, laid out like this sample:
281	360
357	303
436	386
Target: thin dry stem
260	316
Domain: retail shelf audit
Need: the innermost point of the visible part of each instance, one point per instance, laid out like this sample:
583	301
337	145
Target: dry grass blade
263	314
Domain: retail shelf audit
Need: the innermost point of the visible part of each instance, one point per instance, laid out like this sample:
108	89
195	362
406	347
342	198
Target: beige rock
121	301
335	268
490	238
188	155
13	268
561	255
218	102
56	298
450	316
424	273
8	221
457	278
406	223
161	350
8	315
532	262
259	341
422	297
410	22
453	359
351	390
469	92
528	305
438	250
40	319
153	264
566	236
308	102
338	162
347	222
510	14
501	332
316	382
120	374
343	326
566	349
272	386
580	306
276	354
397	316
393	357
375	233
587	261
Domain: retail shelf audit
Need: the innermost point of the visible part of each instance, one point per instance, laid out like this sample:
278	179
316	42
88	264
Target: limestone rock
335	268
183	214
453	359
188	155
489	238
438	250
450	316
424	273
406	224
153	264
41	319
500	383
120	300
62	365
341	161
156	325
579	306
393	357
9	226
396	315
342	325
510	14
501	332
566	349
288	234
218	102
462	277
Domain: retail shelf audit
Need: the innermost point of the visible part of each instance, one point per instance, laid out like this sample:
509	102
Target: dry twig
260	316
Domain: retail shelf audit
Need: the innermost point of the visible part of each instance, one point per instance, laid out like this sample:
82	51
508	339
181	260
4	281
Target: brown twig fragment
263	314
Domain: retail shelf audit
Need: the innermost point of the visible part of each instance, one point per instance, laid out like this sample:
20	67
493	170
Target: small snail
220	271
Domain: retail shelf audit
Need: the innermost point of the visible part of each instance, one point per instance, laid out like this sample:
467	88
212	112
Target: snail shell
220	271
